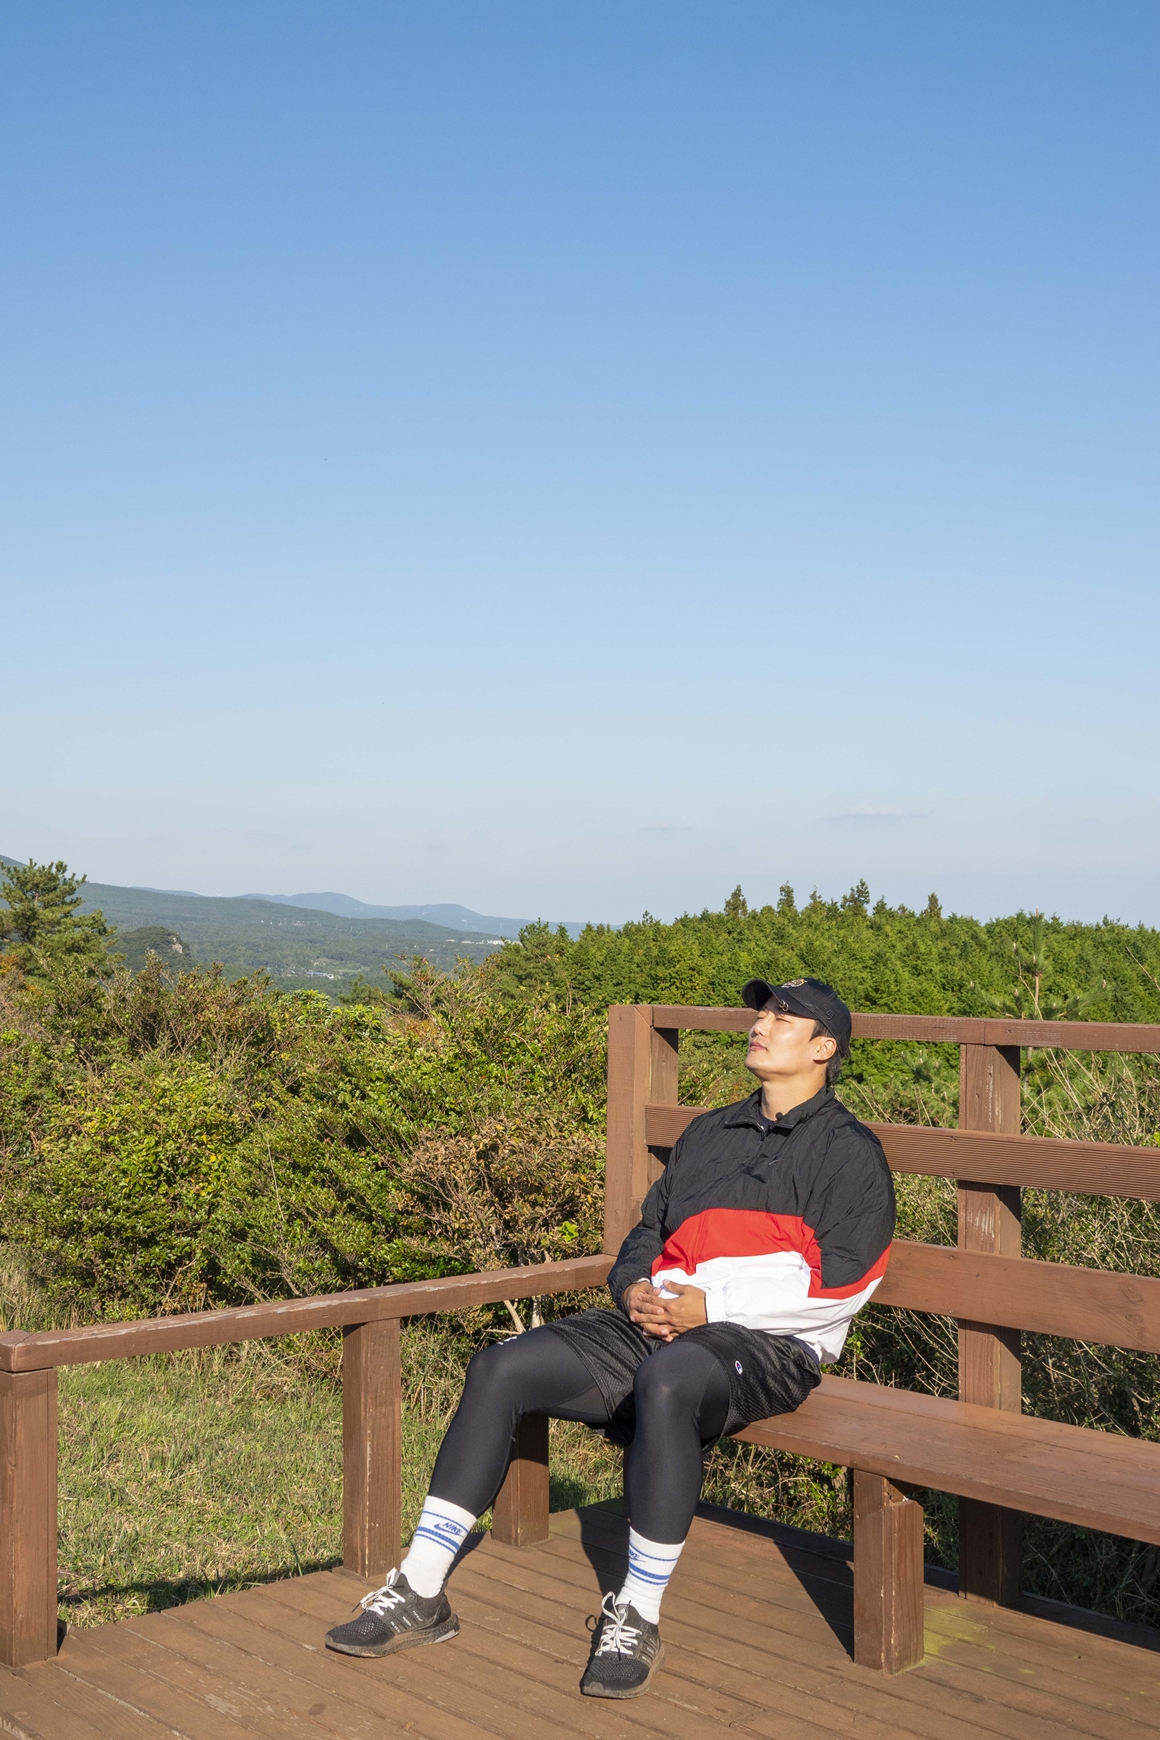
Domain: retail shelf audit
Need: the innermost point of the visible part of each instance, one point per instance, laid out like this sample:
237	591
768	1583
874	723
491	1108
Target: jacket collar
749	1111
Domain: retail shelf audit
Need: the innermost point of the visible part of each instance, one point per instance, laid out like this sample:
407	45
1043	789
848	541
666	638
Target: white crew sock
650	1565
440	1532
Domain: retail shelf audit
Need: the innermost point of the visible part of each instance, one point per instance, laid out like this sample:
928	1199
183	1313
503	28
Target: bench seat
1099	1480
897	1440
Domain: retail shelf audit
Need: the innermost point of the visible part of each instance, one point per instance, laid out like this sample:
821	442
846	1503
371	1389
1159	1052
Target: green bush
168	1144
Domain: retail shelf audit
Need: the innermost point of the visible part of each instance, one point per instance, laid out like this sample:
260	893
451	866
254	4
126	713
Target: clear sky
570	459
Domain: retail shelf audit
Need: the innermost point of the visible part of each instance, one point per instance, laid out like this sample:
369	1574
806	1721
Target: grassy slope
181	1478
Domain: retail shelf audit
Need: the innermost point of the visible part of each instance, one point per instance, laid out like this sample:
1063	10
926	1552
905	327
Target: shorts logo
787	983
737	1366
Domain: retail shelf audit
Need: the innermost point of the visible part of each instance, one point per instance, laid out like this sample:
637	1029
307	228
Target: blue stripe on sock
449	1538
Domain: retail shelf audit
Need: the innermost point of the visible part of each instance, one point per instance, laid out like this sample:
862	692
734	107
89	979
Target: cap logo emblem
786	984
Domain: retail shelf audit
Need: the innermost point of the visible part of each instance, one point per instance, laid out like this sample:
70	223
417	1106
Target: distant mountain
324	941
299	947
454	916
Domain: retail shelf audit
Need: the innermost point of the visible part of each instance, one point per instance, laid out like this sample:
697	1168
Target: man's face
781	1044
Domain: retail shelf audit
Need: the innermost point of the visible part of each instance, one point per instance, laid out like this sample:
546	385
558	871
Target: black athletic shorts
768	1374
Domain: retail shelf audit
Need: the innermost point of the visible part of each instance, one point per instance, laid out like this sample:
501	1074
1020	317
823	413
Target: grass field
182	1477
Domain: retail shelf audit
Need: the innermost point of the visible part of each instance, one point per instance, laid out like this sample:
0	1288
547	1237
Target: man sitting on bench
770	1228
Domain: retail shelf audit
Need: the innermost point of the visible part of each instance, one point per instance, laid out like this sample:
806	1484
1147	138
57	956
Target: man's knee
506	1370
487	1370
666	1380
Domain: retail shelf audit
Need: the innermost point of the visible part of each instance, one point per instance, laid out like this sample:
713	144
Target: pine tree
736	906
858	898
40	926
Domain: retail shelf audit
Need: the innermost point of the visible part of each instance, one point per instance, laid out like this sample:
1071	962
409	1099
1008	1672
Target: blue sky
573	459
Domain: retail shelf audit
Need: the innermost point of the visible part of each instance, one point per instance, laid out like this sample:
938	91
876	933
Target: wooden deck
757	1627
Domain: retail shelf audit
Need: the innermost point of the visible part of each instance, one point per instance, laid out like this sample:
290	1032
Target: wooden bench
999	1462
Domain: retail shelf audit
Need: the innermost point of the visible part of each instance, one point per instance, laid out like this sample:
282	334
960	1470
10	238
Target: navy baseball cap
809	998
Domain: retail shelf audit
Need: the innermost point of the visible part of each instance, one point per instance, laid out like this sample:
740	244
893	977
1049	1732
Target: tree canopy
40	922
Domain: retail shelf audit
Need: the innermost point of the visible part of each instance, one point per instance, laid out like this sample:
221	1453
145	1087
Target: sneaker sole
596	1690
403	1640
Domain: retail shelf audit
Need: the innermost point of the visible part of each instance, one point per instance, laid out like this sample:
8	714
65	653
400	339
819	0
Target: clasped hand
665	1318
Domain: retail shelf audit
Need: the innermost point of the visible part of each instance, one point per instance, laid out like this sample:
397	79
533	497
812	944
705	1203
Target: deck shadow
823	1567
162	1594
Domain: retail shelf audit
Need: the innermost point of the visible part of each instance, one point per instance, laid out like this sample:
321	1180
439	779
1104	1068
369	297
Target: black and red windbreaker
786	1228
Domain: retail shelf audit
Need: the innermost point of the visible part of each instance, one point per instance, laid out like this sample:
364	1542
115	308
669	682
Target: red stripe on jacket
752	1232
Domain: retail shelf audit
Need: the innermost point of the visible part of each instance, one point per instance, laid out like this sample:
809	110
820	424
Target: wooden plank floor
756	1626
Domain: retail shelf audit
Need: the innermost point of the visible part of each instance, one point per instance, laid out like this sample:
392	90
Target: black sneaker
626	1653
392	1618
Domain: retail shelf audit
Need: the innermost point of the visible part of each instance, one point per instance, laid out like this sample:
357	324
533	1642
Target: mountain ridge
446	913
299	945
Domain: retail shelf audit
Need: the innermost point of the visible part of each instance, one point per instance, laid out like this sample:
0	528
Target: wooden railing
371	1422
985	1282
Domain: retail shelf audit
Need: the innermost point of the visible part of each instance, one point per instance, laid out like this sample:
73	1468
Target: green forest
173	1138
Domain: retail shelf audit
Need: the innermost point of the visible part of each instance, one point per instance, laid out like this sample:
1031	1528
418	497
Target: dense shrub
175	1143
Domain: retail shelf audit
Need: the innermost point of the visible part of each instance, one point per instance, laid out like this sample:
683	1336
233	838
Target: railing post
642	1066
626	1155
888	1575
990	1370
519	1516
372	1447
28	1629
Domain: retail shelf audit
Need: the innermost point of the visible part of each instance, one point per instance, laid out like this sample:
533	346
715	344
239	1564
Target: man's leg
682	1401
533	1373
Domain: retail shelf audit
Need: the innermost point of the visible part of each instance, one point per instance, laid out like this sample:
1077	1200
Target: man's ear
828	1045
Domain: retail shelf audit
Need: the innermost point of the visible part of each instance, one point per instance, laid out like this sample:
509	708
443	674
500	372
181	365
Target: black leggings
681	1392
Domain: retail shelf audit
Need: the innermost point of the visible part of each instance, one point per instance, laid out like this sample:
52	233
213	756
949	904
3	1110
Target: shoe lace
617	1637
381	1601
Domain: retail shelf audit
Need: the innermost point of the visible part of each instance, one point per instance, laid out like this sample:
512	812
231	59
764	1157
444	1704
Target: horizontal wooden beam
100	1341
1016	1293
1051	1035
1034	1162
703	1020
1134	1036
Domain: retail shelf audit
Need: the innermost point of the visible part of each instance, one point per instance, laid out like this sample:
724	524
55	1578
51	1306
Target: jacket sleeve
854	1219
646	1240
